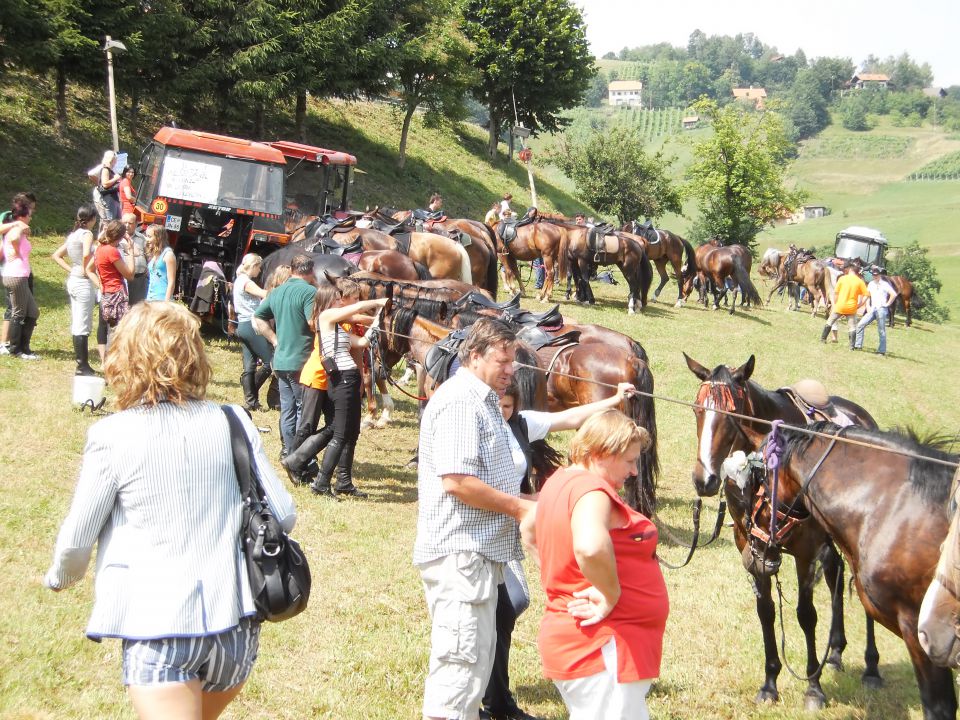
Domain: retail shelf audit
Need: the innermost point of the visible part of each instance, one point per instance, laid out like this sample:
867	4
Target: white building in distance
624	92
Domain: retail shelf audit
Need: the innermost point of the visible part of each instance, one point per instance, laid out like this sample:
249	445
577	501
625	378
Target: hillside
451	161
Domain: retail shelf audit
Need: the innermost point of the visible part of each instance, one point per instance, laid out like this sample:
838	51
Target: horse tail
742	276
642	411
563	267
422	272
530	381
493	277
645	274
689	266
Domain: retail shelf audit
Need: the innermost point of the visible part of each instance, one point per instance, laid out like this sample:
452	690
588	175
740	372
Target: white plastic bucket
87	388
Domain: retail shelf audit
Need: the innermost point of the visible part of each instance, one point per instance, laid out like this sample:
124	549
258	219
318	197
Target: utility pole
109	47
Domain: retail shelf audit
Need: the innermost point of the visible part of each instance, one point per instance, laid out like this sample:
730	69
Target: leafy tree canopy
912	262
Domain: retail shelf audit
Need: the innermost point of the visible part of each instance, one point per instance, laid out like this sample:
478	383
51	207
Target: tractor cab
861	243
208	191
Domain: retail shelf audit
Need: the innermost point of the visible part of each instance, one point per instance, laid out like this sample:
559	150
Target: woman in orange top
601	636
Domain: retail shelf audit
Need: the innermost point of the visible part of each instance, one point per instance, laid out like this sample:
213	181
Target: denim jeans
291	398
880	315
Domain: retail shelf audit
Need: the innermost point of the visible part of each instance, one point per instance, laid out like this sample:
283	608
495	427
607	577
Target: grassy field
360	650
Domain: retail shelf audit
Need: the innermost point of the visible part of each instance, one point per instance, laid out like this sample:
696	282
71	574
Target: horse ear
696	368
330	278
743	373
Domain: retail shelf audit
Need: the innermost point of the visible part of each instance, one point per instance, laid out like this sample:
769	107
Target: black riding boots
345	484
251	382
81	352
825	334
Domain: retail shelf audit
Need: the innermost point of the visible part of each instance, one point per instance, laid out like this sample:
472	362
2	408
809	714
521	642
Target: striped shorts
219	661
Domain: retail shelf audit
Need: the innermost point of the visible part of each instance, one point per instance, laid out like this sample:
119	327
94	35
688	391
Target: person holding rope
601	636
513	595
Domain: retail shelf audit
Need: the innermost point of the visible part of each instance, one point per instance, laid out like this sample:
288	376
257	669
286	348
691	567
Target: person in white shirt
505	210
882	296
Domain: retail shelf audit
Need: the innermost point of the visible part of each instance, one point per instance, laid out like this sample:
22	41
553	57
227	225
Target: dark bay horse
723	268
888	514
540	238
622	249
904	290
323	265
664	247
720	436
803	271
938	630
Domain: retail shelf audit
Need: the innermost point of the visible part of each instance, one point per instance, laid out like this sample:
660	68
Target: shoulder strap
241	455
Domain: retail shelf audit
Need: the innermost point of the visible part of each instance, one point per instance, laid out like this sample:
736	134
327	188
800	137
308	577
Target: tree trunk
134	110
259	129
301	115
494	136
405	130
61	98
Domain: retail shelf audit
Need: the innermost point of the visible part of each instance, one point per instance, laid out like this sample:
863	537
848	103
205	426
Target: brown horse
540	238
442	257
622	249
723	268
664	247
888	515
720	437
937	629
807	272
904	290
482	246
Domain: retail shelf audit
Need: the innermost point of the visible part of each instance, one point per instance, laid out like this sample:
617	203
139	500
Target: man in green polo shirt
290	305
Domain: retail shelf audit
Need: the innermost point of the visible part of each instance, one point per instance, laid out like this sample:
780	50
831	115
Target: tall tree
533	56
737	175
432	63
613	174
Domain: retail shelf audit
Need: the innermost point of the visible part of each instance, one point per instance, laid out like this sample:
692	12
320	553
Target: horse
392	264
727	267
904	290
622	249
664	247
482	247
937	630
324	266
442	257
887	512
807	272
540	238
770	263
719	437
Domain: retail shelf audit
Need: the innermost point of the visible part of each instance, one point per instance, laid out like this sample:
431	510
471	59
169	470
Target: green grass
360	650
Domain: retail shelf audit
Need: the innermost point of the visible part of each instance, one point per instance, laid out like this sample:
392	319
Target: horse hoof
767	697
367	423
872	682
814	700
380	424
835	660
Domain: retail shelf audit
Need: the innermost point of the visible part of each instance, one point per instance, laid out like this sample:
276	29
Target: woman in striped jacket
170	579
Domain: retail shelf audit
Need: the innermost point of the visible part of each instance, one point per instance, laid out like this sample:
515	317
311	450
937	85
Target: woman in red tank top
601	635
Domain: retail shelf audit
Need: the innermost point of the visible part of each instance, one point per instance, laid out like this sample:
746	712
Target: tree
806	106
597	92
431	63
912	263
533	56
613	174
737	175
854	113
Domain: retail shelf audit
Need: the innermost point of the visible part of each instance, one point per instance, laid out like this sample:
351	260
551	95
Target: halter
727	398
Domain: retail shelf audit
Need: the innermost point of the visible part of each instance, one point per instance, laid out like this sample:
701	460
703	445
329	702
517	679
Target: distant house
624	92
751	94
870	80
808	212
690	122
935	92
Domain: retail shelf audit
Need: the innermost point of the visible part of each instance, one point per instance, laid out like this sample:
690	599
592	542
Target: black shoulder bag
276	566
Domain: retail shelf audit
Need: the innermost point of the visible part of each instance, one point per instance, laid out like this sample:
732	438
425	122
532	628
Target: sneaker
28	356
4	349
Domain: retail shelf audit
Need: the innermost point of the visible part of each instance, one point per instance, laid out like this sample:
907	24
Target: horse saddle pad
547	319
811	398
507	229
537	338
440	357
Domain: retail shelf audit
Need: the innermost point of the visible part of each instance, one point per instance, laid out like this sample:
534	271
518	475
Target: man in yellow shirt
849	294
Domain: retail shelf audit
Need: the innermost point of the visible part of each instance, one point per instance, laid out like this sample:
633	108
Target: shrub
912	262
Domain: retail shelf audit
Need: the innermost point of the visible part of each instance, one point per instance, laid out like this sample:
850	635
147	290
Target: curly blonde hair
157	355
607	433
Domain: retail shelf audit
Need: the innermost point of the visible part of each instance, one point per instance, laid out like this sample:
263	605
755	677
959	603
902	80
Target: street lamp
110	47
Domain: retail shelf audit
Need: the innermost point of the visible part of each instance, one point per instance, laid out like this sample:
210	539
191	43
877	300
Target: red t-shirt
110	277
127	206
637	621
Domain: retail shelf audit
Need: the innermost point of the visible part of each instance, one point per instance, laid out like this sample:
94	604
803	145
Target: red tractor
221	197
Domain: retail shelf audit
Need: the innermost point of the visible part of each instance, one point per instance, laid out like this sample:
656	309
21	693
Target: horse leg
549	261
813	698
664	278
871	659
906	308
679	271
370	419
388	406
586	271
937	693
631	273
767	613
833	574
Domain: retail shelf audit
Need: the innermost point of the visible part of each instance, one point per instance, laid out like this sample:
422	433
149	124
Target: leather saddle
547	319
439	361
537	338
422	215
482	301
602	241
811	398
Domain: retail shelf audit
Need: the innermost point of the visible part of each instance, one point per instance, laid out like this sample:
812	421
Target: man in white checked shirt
467	525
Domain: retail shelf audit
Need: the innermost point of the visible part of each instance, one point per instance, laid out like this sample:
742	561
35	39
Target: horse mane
931	480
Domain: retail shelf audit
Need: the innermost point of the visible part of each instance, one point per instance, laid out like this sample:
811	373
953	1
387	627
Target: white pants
461	592
601	696
82	298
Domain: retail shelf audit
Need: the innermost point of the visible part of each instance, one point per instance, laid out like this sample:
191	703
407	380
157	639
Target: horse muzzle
937	627
760	562
705	485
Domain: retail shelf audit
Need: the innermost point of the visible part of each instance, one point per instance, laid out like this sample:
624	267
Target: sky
929	30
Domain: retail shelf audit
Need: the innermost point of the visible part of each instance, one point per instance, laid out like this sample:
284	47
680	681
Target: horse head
937	627
718	434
